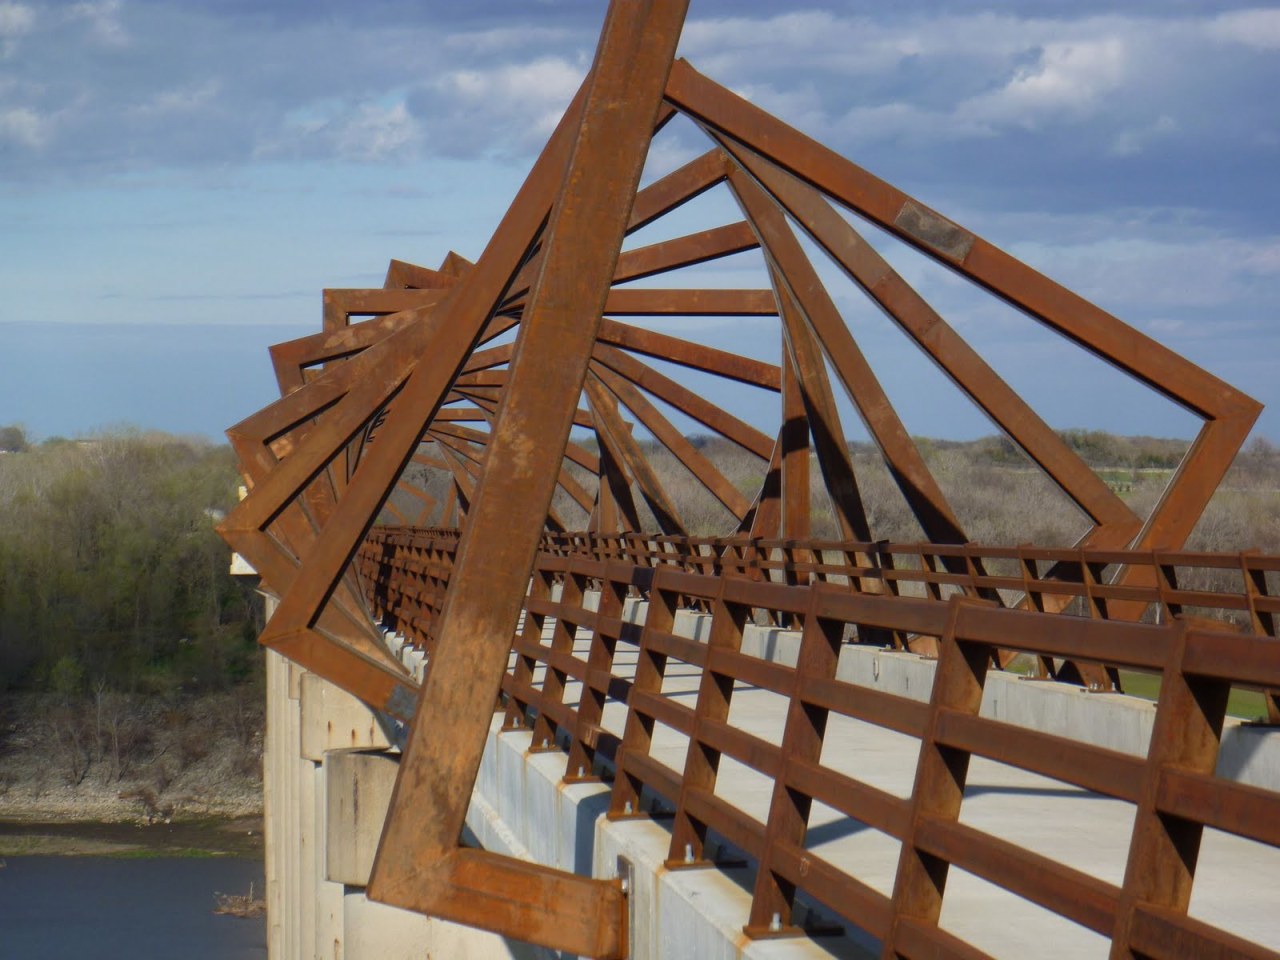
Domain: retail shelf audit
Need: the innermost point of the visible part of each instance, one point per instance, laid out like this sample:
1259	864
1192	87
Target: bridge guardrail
740	583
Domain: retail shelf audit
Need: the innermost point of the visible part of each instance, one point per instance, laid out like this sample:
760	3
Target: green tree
109	560
13	439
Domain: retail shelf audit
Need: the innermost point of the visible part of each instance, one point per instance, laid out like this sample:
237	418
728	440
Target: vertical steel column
1164	848
419	863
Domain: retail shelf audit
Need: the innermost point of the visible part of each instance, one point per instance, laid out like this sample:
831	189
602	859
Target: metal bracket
626	872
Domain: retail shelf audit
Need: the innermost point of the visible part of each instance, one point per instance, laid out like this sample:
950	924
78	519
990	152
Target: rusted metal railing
600	670
1242	589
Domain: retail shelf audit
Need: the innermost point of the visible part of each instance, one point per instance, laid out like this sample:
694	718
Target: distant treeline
998	495
112	577
1097	448
111	574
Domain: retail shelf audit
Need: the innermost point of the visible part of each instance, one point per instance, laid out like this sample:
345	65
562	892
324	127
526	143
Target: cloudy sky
180	178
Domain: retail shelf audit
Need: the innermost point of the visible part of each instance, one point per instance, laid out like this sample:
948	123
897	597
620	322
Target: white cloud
185	99
902	121
24	126
1070	77
1121	80
365	132
103	17
1263	259
378	133
246	87
503	39
16	20
821	40
1133	141
665	155
1138	271
540	84
801	106
743	45
1259	29
507	108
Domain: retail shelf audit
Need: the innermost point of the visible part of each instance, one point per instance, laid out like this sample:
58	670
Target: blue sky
179	180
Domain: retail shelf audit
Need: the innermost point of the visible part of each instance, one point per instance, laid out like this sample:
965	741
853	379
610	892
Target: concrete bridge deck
522	806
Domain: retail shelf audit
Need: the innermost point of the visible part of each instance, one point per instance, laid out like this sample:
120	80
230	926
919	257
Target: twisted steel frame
479	372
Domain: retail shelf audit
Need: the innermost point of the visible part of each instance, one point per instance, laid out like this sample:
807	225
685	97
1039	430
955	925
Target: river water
104	908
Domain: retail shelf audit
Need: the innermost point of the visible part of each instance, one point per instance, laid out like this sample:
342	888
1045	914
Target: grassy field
1242	704
1245	704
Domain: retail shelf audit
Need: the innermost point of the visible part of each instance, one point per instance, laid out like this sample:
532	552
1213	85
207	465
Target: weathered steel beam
951	245
695	462
814	304
684	251
824	420
960	362
608	422
419	847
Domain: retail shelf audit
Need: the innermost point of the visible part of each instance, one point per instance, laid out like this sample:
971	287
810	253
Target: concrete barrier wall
1250	753
521	808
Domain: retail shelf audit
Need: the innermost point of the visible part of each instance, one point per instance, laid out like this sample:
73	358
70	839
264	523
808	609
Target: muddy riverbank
206	837
157	762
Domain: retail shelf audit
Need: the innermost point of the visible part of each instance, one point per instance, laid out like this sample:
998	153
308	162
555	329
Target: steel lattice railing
600	670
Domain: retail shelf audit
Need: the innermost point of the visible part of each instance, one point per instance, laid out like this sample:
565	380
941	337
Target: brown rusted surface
1173	787
495	555
444	407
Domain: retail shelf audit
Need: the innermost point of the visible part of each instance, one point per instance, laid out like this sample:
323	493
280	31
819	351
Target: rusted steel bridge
493	397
